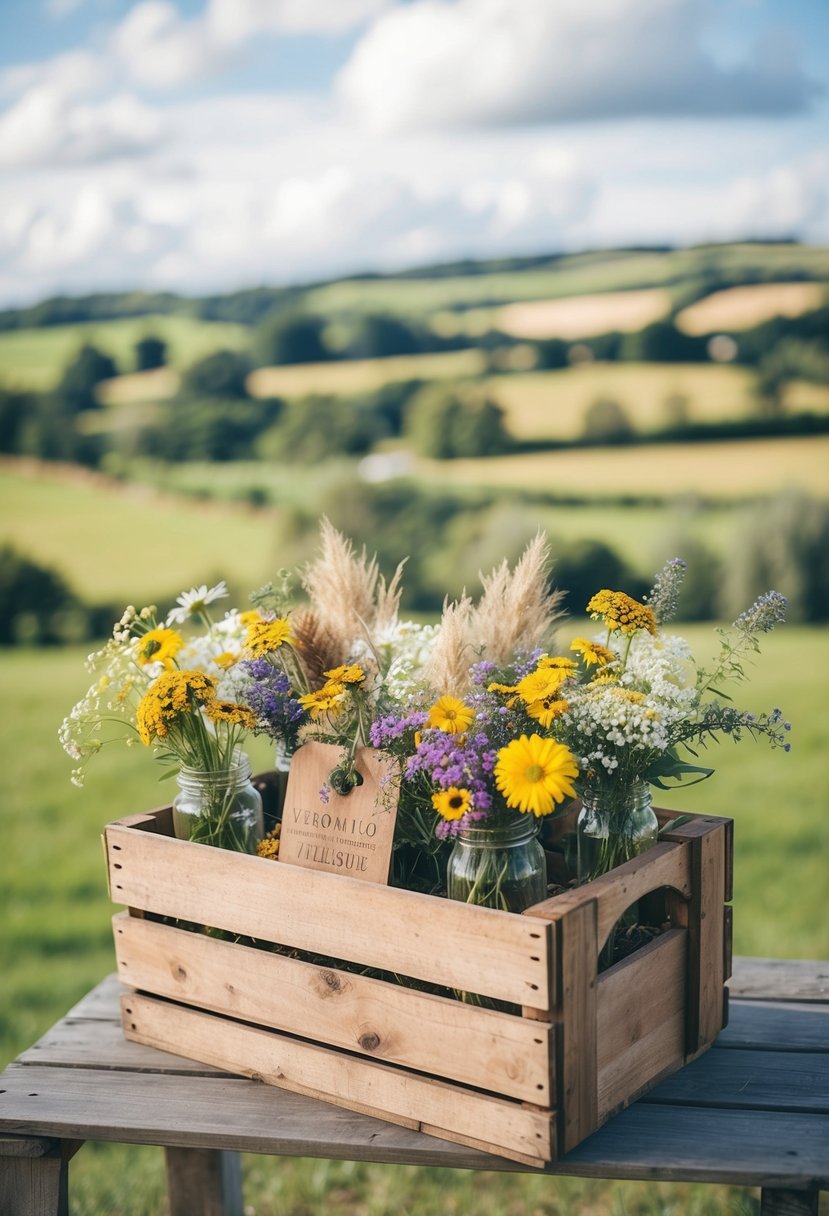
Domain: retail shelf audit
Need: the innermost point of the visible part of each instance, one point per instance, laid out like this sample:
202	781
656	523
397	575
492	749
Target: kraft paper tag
348	834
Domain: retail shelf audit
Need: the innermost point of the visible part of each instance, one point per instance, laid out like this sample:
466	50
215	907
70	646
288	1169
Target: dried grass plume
447	670
518	608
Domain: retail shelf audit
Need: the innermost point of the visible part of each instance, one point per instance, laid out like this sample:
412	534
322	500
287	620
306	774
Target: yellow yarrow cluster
619	611
269	847
230	712
264	637
173	695
347	674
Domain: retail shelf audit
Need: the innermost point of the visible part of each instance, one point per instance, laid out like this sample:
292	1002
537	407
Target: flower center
533	773
455	801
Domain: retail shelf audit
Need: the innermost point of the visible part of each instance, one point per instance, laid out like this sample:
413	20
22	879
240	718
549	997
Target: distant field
34	358
580	274
554	404
362	375
740	308
114	542
583	316
157	385
731	470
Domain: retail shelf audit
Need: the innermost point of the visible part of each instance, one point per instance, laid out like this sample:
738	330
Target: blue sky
205	145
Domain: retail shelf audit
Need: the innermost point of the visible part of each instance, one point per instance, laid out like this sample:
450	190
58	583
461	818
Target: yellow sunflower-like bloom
349	674
173	695
502	688
539	685
159	646
450	715
325	700
534	774
452	803
556	661
593	653
230	712
263	637
619	611
546	712
226	660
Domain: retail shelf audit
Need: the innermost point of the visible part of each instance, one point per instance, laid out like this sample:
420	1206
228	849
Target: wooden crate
527	1085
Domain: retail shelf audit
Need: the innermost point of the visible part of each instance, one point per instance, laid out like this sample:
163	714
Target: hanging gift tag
342	832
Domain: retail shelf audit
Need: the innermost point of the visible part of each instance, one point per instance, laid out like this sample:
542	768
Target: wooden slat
102	1045
665	865
777	1025
784	979
34	1186
761	1080
479	950
102	1002
494	1051
577	1063
339	1078
775	1201
641	1021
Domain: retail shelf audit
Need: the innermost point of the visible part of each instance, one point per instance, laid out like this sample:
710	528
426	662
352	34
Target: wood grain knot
369	1041
330	981
179	972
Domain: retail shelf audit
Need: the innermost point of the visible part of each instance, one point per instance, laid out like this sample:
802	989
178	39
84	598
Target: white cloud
45	128
493	62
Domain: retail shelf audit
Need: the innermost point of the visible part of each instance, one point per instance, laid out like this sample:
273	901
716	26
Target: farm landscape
425	415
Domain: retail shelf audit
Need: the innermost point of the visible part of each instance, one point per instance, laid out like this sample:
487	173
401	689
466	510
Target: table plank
783	1025
82	1044
780	978
760	1080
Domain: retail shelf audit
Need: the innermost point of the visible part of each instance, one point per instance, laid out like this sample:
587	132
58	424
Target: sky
209	145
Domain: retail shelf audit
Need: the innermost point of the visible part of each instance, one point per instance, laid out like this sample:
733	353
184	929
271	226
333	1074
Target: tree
290	338
29	590
606	421
224	373
150	353
447	423
76	388
662	342
584	567
378	334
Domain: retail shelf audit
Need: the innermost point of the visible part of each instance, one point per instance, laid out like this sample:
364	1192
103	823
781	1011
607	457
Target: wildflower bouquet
179	694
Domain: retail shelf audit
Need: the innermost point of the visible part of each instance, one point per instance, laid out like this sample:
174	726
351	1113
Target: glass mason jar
498	866
278	785
219	808
616	823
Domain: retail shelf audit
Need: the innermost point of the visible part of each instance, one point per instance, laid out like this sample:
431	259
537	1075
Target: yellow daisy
452	803
546	712
556	660
450	715
593	653
325	700
351	674
539	685
534	774
159	646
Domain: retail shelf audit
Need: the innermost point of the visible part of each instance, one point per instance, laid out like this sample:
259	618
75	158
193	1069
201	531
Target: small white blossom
195	601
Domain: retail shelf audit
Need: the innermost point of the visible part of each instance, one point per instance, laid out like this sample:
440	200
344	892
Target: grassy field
56	939
581	316
354	376
127	541
744	307
34	358
728	470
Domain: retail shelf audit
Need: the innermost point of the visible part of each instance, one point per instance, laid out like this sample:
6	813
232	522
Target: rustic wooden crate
528	1085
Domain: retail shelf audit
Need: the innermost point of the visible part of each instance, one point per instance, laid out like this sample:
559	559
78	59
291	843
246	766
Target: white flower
194	602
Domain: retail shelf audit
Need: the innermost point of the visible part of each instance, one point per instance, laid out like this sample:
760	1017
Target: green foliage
76	387
15	407
606	421
446	423
376	335
210	428
316	428
31	597
784	544
662	342
290	338
586	566
150	353
223	373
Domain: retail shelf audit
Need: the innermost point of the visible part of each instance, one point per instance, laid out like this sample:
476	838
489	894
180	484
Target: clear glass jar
616	823
219	808
278	785
498	866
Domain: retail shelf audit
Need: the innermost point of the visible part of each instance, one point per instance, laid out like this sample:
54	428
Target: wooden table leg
34	1177
774	1201
204	1182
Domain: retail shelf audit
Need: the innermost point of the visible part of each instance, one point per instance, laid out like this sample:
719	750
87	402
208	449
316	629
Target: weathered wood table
753	1111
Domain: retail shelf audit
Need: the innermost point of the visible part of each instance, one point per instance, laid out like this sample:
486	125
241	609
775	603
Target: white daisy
194	602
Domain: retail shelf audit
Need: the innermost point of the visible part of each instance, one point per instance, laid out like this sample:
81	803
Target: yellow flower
346	675
159	646
593	653
556	660
534	774
619	611
627	694
269	847
504	688
231	712
452	803
263	637
546	712
324	700
226	659
173	695
539	685
450	715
